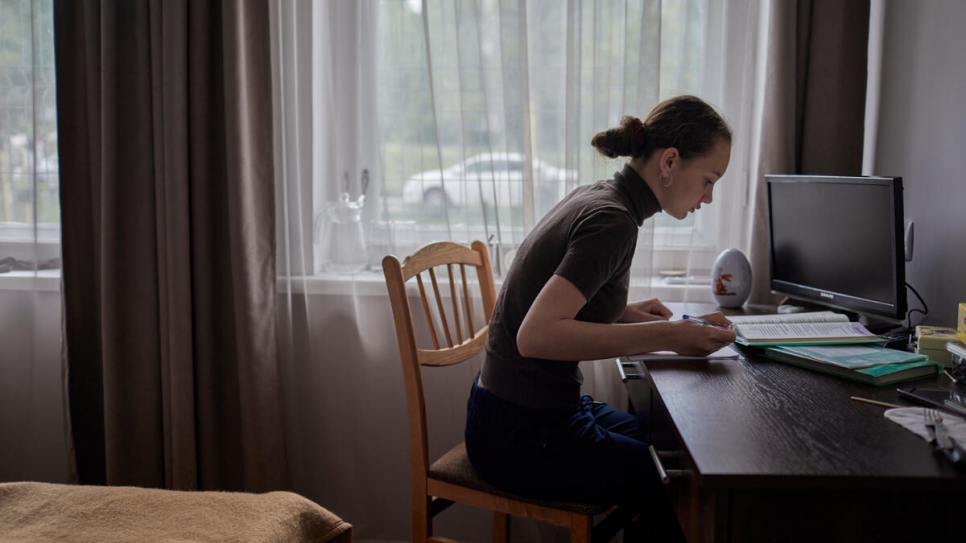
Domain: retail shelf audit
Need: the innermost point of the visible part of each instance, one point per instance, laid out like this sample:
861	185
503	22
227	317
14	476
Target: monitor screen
838	241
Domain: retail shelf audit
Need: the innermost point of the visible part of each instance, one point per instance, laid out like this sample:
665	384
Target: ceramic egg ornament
731	278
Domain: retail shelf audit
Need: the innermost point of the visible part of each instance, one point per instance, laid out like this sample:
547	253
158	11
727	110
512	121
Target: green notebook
869	364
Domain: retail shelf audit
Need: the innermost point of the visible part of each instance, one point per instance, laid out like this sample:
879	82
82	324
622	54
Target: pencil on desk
874	402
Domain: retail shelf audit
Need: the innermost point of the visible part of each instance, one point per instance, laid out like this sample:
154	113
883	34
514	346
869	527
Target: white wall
922	137
33	443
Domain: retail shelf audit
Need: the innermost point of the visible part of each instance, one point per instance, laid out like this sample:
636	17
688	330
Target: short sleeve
599	246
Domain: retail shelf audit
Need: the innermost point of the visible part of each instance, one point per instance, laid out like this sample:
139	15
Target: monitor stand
876	325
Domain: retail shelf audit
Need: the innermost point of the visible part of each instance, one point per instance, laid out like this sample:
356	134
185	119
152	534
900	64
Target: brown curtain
814	104
165	137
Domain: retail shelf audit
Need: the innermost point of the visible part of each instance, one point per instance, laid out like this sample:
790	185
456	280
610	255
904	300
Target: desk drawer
702	514
697	510
633	376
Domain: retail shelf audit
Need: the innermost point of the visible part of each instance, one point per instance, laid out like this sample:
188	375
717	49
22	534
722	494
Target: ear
669	157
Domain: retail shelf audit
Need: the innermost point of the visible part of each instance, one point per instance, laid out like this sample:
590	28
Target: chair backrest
456	335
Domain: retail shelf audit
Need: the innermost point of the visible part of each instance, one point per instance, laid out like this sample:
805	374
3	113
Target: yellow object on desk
961	323
931	341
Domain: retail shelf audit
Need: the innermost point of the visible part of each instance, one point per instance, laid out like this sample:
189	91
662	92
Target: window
475	116
478	94
29	180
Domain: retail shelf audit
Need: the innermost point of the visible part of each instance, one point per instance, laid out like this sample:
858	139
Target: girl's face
694	179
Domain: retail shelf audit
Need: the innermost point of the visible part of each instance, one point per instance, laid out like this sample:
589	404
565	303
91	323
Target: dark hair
685	122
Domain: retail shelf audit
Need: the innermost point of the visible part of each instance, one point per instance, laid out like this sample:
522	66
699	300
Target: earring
669	183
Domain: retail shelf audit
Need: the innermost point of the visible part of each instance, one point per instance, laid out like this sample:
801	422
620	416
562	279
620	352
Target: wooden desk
772	452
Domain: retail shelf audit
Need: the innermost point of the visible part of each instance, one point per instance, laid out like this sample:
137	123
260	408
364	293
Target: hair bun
637	134
685	122
628	139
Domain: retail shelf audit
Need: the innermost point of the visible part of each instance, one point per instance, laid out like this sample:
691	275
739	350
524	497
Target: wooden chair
451	478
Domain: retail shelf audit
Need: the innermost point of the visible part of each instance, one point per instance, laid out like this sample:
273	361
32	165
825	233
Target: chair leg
582	529
616	520
422	522
501	527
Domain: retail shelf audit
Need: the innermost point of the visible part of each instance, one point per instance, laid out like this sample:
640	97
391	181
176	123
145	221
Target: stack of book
827	342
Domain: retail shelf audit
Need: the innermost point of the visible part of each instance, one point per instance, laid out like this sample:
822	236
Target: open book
822	327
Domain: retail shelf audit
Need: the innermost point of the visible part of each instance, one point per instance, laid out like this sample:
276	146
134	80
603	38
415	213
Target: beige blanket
51	512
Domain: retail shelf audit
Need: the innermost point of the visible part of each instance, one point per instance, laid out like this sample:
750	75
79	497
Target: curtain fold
813	106
168	224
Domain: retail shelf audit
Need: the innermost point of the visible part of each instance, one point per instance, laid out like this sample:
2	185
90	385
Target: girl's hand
646	311
694	339
718	318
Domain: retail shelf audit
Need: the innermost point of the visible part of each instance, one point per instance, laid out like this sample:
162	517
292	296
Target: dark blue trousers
591	453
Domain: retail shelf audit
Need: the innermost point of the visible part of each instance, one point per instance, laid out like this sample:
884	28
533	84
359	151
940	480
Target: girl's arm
646	311
549	331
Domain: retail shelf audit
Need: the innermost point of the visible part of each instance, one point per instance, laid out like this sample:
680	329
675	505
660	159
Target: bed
54	512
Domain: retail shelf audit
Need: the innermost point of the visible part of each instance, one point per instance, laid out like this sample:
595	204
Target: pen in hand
697	320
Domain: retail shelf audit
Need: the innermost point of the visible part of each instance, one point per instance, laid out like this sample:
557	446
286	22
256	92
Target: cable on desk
924	310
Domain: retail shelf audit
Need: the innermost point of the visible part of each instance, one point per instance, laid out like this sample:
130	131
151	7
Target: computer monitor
837	241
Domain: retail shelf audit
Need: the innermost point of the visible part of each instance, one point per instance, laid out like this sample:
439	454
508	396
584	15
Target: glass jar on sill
343	244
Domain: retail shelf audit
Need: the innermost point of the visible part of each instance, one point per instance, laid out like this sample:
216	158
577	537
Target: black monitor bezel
864	306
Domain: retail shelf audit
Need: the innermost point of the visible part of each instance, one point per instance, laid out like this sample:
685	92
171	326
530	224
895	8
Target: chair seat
454	467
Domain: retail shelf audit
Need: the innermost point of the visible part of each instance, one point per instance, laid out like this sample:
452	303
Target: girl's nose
707	195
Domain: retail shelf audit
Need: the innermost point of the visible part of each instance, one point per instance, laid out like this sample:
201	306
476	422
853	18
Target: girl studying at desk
529	430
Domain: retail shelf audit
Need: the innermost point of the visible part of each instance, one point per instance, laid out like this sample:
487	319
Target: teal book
869	364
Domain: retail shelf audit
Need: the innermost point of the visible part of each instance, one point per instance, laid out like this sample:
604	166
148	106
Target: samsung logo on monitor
827	295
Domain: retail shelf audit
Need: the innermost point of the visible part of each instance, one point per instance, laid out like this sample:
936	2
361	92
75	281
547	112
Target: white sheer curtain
470	118
486	111
32	435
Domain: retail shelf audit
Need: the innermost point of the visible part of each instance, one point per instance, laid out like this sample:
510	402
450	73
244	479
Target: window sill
372	283
365	283
43	280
